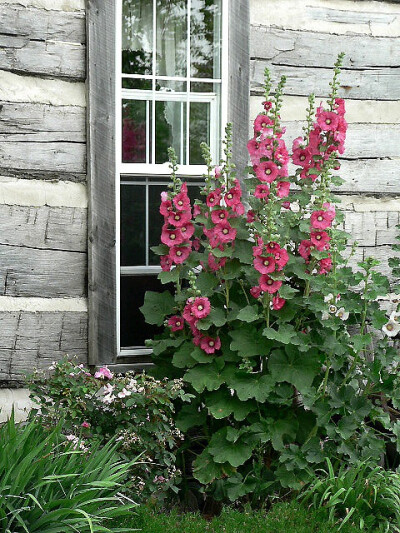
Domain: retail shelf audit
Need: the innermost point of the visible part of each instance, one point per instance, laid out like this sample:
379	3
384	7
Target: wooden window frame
102	168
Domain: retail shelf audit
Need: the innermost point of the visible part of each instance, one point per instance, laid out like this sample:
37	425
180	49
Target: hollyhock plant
280	371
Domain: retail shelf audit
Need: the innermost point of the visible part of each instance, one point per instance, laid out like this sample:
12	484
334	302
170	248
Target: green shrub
136	409
364	494
49	484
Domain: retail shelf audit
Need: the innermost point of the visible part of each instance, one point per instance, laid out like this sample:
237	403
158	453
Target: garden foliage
280	341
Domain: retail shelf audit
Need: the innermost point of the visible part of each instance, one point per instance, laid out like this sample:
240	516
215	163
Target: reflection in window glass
134	131
171	38
137	36
170	130
133	225
205	38
199	130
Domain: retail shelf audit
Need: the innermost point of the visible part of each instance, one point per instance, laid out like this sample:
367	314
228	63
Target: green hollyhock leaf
217	318
227	252
204	377
200	356
285	334
347	426
168	277
249	386
206	283
244	251
297	368
161	249
182	358
232	269
190	416
222	403
248	313
361	341
282	432
159	346
157	305
227	445
206	470
287	292
248	342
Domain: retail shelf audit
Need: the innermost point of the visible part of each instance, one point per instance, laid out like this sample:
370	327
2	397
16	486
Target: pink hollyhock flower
262	124
85	424
302	157
321	219
238	209
232	197
215	264
266	147
256	291
218	215
217	172
281	154
328	120
188	312
179	254
201	307
179	218
278	303
286	205
166	208
267	105
281	258
305	249
272	247
266	171
340	106
268	284
210	345
325	265
262	191
214	198
282	189
181	200
171	237
187	230
164	196
253	147
165	263
298	142
250	216
103	373
196	210
176	323
224	232
320	239
196	244
264	265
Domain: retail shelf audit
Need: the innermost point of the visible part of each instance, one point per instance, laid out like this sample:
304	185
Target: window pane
199	130
134	131
168	86
134	330
170	130
133	83
171	38
133	225
137	36
205	39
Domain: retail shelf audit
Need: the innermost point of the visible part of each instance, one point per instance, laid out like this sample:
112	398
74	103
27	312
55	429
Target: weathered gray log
34	340
370	175
42	24
369	84
41	122
56	157
382	253
28	271
48	58
47	228
372	229
308	49
347	16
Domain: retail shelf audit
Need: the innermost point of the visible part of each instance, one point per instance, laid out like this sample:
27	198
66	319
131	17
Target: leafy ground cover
282	518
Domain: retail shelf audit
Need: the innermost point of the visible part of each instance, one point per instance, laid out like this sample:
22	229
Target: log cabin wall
43	198
301	40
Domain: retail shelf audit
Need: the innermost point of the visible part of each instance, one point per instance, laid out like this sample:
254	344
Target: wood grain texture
372	229
378	176
22	122
27	271
310	49
101	171
45	228
34	340
239	86
370	84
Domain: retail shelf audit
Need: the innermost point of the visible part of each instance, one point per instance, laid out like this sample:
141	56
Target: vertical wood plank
239	79
101	172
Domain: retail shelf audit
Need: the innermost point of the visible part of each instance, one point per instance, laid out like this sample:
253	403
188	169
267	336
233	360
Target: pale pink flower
210	345
268	284
103	373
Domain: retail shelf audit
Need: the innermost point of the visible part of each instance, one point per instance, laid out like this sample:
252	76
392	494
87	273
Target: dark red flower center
178	253
328	121
173	236
180	202
302	157
270	282
225	231
268	171
266	262
320	218
177	217
200	307
211	343
229	196
222	215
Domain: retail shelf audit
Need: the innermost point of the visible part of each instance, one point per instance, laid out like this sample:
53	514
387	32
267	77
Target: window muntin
169	92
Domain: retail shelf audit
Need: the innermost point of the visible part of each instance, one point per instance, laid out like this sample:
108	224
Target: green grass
282	518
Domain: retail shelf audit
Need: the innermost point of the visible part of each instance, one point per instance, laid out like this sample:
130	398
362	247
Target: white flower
342	314
329	298
325	315
332	308
124	393
395	316
391	329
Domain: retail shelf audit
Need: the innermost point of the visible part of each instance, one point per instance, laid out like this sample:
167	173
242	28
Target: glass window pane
134	330
168	86
199	130
171	38
134	131
205	39
133	225
137	36
170	130
133	83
